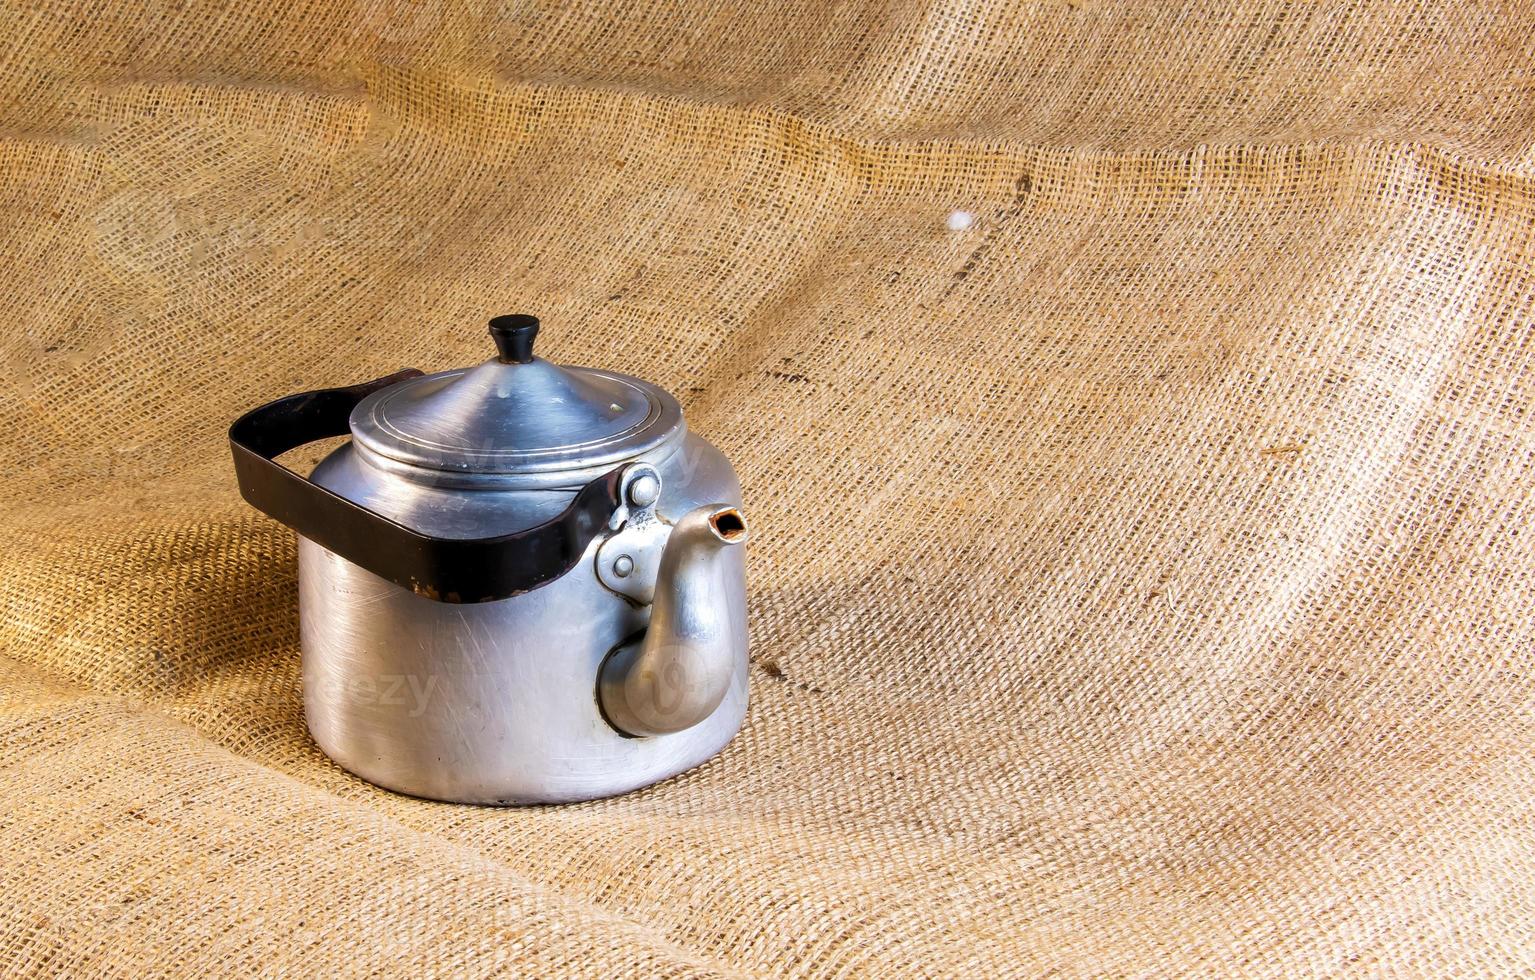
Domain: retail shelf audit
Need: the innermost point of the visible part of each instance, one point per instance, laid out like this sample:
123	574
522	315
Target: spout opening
728	525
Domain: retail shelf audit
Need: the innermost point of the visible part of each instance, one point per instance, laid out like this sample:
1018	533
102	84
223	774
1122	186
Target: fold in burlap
1140	577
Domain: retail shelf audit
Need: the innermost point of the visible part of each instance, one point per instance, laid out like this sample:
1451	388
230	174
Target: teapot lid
516	413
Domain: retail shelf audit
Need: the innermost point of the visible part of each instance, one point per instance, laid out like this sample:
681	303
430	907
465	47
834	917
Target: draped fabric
1133	404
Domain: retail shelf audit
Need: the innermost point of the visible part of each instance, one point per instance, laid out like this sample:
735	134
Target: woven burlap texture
1140	576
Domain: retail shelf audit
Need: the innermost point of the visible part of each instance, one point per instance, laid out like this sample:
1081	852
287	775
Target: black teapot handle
445	569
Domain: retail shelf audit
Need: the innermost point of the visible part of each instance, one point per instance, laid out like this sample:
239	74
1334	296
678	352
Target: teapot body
496	702
519	582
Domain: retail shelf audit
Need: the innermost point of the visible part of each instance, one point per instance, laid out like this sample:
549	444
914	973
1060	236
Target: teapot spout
677	674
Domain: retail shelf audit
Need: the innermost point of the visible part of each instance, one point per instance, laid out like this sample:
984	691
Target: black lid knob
513	334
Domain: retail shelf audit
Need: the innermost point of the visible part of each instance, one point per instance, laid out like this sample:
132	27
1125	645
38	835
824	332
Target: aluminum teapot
518	582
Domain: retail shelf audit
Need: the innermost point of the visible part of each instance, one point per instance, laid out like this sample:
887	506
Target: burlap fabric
1140	577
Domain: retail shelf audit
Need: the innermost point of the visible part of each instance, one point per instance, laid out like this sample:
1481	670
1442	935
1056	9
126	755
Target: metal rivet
644	491
622	566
